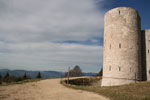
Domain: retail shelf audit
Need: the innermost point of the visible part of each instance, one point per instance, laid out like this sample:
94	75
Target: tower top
121	11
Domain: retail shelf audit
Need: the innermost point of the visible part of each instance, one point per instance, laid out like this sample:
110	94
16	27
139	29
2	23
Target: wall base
115	82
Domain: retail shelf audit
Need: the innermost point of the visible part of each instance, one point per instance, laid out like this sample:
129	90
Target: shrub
9	78
12	79
18	79
6	78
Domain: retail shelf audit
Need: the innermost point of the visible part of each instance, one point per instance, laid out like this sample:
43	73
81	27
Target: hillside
32	74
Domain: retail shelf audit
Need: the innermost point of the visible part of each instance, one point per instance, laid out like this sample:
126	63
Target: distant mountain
33	74
89	74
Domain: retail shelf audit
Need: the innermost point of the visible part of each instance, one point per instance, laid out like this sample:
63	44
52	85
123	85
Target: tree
76	71
25	76
38	75
1	79
6	77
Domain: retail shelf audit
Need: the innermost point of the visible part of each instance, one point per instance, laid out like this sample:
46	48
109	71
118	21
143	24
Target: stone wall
122	47
147	50
143	48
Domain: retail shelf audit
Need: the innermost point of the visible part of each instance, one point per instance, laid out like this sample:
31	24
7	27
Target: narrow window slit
119	68
119	45
109	68
130	69
119	12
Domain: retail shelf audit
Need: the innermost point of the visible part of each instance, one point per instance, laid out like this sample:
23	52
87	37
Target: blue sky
56	34
142	6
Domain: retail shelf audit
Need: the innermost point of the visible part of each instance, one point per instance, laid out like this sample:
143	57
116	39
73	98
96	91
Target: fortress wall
147	50
122	47
143	48
145	55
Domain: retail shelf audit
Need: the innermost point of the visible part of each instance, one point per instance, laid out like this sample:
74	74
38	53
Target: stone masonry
123	47
146	54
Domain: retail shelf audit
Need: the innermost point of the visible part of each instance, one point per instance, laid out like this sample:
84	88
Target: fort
126	56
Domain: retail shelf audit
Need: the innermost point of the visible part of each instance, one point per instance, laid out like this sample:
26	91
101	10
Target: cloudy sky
54	34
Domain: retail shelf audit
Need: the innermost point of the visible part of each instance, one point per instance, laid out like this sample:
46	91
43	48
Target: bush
9	78
24	77
18	79
6	78
12	79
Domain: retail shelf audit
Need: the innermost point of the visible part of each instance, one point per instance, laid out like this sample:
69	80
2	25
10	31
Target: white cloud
50	20
29	30
47	55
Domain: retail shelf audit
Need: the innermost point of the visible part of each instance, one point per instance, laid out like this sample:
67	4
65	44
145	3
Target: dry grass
21	82
137	91
85	81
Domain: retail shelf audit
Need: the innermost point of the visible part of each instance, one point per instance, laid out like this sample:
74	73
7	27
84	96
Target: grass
29	80
21	82
83	81
137	91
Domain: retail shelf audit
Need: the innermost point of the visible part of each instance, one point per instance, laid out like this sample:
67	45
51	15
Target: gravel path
45	90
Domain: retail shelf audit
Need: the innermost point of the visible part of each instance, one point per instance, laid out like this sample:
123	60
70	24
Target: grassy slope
21	82
138	91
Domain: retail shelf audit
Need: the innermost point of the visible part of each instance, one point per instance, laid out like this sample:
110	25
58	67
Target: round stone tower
122	47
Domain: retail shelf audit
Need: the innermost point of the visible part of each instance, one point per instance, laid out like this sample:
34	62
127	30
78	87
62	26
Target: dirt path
45	90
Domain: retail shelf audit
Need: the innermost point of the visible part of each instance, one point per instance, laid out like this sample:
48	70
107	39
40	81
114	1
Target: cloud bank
37	34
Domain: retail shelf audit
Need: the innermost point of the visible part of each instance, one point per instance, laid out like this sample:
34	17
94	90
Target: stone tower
146	54
122	47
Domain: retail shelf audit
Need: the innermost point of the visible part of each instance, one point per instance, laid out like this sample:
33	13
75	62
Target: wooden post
68	75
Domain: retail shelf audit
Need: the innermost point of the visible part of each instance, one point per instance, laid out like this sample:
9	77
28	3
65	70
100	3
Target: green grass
137	91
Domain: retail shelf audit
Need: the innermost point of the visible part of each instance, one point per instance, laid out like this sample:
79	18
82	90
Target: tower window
110	46
109	68
148	50
119	68
130	69
149	71
119	45
119	12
